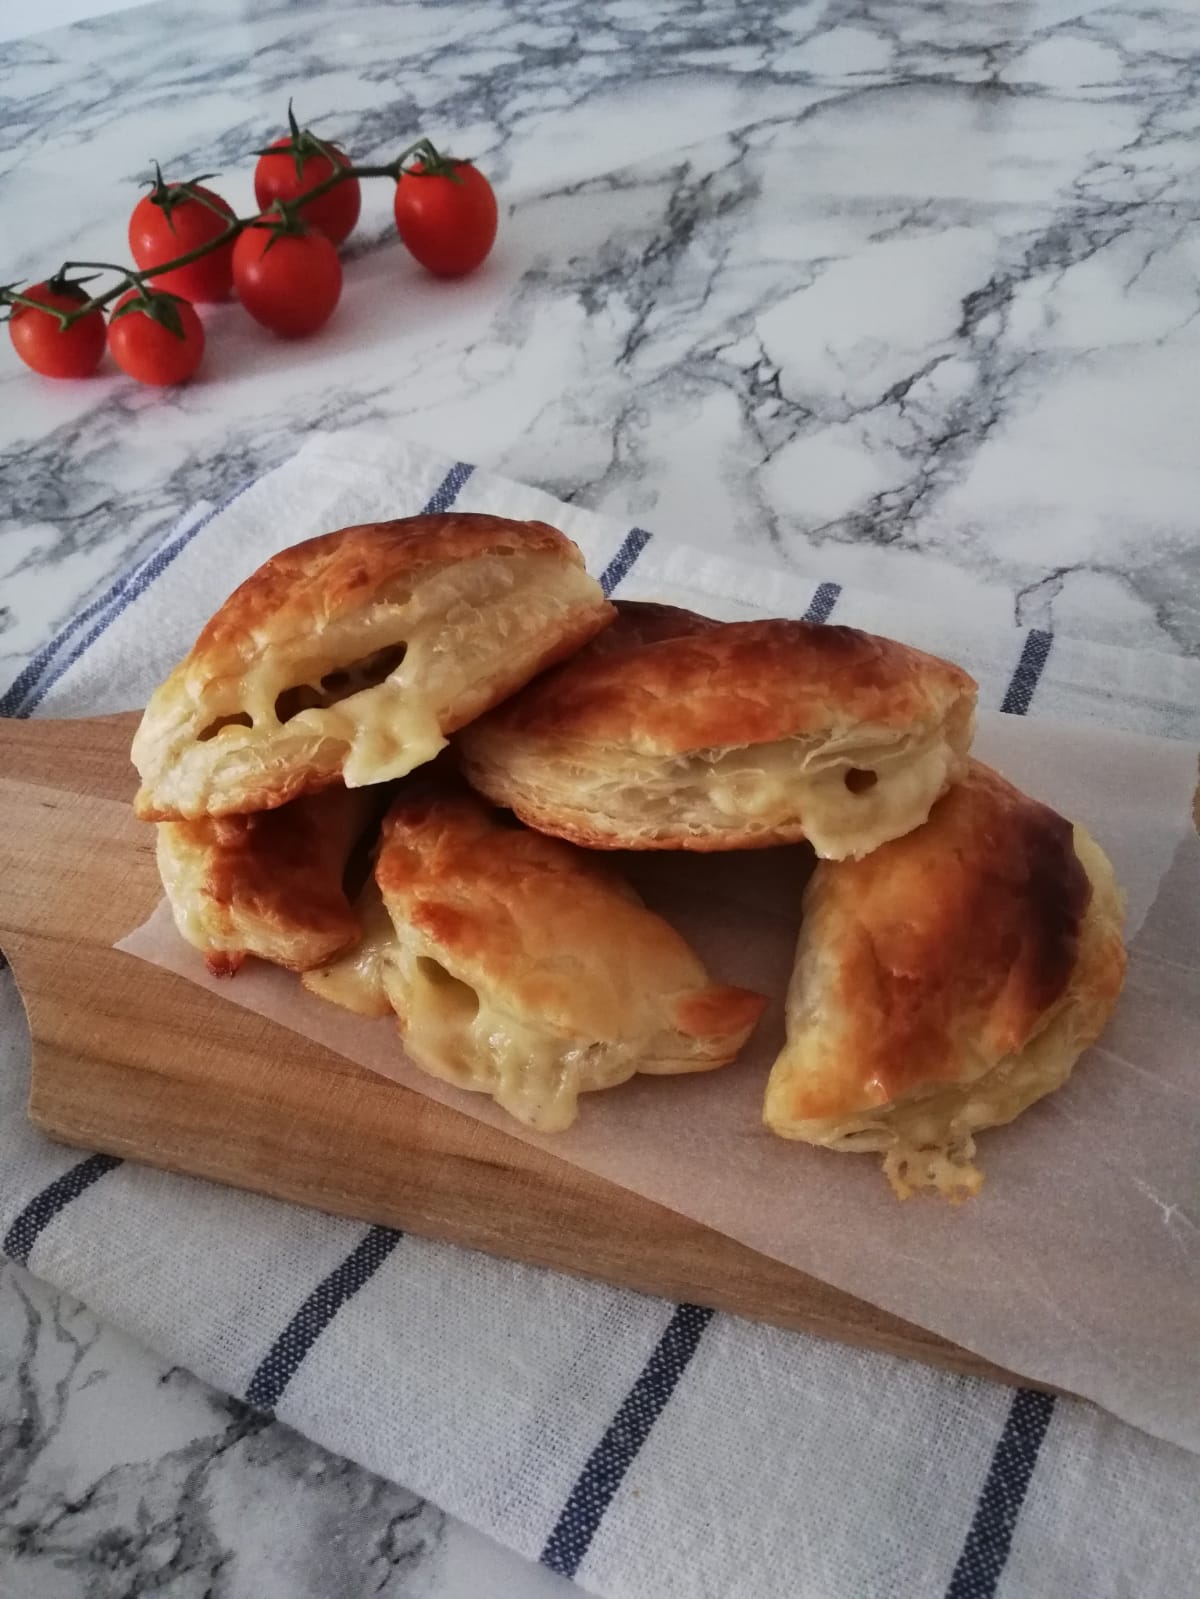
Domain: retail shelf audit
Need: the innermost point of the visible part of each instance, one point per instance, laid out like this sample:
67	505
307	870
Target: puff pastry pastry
673	731
352	656
525	970
269	884
946	982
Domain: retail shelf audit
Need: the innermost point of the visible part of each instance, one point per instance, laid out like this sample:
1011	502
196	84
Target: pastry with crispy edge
351	656
673	731
524	969
946	982
269	884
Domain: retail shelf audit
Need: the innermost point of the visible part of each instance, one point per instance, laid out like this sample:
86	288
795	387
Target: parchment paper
1079	1263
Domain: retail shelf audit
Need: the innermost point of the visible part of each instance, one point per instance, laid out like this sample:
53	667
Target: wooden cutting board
133	1061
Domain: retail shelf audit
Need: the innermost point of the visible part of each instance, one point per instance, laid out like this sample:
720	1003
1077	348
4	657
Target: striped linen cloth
647	1450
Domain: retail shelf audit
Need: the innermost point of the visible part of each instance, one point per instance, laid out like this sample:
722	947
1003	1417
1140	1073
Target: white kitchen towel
648	1450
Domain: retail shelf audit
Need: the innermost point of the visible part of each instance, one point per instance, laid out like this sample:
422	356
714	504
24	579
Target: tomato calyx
282	219
70	289
301	144
167	196
431	163
158	305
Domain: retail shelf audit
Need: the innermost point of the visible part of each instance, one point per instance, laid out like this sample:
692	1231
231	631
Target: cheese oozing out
457	1033
845	796
293	703
354	979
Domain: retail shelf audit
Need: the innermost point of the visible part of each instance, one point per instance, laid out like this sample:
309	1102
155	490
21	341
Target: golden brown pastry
352	655
676	732
525	970
269	884
946	982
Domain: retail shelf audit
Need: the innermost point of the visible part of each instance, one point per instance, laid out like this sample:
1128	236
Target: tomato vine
283	217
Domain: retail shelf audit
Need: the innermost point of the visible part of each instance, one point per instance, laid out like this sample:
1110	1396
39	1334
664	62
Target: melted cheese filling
354	980
926	1138
457	1034
461	630
454	1033
847	798
395	725
768	784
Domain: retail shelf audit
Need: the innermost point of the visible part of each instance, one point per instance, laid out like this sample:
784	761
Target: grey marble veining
902	294
121	1477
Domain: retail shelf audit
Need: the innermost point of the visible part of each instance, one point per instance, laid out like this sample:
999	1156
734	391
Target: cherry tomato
449	223
162	228
149	350
290	282
275	178
43	345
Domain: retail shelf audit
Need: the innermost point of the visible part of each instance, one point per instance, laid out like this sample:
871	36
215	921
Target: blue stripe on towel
448	490
985	1552
21	699
40	676
31	686
42	1208
632	545
615	1453
285	1356
823	602
1023	685
287	1353
12	700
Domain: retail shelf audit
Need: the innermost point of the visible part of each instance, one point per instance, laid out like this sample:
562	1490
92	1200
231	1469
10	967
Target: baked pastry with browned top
946	982
351	656
674	731
524	969
270	884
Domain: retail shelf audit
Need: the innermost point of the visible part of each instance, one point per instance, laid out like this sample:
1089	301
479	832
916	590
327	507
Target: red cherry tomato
160	231
449	223
275	178
290	282
43	345
150	351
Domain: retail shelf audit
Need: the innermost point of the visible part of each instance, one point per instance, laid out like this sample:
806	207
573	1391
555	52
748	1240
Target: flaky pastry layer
353	655
675	732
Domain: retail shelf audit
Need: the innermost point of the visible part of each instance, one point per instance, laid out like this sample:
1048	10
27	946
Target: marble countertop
901	295
121	1475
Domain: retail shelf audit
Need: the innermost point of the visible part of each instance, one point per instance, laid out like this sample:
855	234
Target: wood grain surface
133	1061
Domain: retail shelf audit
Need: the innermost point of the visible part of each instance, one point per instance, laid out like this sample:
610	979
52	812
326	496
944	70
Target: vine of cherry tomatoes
281	264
